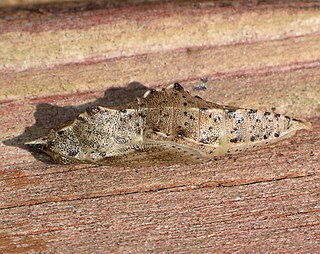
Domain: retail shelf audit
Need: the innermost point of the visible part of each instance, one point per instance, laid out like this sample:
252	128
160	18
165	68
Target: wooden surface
55	60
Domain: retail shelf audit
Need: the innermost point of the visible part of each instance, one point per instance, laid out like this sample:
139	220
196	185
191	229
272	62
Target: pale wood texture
55	60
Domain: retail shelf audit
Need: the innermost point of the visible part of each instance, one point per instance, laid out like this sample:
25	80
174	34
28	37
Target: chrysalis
164	125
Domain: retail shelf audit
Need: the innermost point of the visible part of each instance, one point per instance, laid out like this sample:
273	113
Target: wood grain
259	55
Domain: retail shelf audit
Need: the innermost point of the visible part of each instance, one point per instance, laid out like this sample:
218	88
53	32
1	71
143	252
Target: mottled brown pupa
167	125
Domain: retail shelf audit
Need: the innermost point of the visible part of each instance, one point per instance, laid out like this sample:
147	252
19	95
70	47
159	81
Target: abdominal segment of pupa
165	125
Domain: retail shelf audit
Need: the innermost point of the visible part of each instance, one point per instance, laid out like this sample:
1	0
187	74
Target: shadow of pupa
48	116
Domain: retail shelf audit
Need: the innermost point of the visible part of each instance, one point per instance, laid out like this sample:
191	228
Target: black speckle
80	118
163	89
287	117
210	128
197	158
185	104
252	139
204	79
185	113
265	136
152	90
276	135
60	132
178	86
51	143
277	115
142	115
203	109
198	97
251	111
185	123
92	110
234	140
231	110
102	154
204	140
181	133
210	152
266	113
217	119
73	153
155	129
192	118
123	110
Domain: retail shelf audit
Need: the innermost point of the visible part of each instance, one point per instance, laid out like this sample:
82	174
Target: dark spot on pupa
185	113
204	140
266	113
277	115
60	132
210	128
251	111
185	104
92	110
192	118
276	135
231	110
185	123
210	152
73	153
252	139
234	140
178	86
142	115
181	133
265	136
198	97
80	118
51	143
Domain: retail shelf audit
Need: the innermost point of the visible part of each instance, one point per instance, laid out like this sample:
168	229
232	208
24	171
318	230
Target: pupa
163	125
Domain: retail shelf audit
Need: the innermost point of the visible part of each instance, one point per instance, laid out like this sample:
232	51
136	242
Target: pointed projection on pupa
164	125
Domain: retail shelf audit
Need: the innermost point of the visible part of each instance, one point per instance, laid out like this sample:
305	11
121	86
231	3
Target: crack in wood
182	187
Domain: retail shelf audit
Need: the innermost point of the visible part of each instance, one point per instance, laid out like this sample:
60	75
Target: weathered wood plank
264	57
